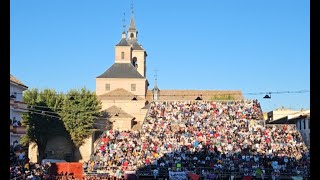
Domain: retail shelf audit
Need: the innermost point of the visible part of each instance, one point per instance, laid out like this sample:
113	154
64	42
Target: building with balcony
17	108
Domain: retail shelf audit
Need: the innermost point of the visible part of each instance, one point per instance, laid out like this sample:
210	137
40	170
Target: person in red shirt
147	161
125	165
267	140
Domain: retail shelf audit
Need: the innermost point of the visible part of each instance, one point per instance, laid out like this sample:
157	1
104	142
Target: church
123	90
123	87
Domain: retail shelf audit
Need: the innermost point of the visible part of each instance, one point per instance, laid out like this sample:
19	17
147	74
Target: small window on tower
133	87
107	88
134	62
131	35
122	55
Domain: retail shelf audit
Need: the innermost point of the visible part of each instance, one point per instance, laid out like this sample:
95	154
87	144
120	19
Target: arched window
134	62
132	35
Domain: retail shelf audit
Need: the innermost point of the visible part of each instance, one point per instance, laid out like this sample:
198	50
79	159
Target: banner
67	168
129	172
177	175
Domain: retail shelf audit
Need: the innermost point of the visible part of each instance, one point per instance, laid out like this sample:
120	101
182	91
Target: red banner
67	168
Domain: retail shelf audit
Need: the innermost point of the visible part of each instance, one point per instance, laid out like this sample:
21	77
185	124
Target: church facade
122	88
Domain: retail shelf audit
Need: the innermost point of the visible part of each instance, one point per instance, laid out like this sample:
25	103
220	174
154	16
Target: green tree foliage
79	112
42	121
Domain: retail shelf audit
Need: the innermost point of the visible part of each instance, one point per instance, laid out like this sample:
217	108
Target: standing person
259	173
118	174
21	157
155	173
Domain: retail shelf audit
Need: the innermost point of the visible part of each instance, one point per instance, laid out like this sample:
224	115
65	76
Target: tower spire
132	24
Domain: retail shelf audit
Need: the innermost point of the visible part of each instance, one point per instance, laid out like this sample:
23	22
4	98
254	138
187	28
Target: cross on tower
155	76
132	11
124	22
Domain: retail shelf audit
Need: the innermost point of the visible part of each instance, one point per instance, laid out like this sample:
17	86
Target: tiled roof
121	70
123	42
135	44
115	111
119	94
17	81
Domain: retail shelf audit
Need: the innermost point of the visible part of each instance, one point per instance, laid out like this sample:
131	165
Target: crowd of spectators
205	138
21	168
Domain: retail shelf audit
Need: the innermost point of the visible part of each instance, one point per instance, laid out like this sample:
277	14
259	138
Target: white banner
177	175
129	172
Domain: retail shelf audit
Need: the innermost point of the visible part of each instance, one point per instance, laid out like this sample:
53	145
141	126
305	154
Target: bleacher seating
222	137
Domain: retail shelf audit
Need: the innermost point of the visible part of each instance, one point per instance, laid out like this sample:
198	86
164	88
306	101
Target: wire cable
194	94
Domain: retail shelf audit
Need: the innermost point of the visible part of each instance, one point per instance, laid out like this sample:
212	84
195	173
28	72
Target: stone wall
58	147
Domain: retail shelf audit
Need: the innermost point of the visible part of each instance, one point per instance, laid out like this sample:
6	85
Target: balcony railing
18	129
19	106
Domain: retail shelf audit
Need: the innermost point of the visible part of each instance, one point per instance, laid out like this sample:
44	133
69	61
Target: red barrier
65	168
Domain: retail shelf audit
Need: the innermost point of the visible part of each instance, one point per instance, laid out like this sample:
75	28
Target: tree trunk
41	150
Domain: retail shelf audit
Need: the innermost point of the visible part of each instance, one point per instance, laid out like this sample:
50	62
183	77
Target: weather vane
124	22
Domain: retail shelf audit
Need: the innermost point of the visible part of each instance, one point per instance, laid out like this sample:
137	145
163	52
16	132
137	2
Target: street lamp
134	98
267	96
199	97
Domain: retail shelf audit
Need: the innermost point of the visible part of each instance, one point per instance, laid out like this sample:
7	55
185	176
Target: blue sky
249	45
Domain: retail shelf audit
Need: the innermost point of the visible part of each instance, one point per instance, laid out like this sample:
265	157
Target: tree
79	111
42	121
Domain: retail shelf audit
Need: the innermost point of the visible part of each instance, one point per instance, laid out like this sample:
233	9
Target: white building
300	118
17	108
302	121
279	114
